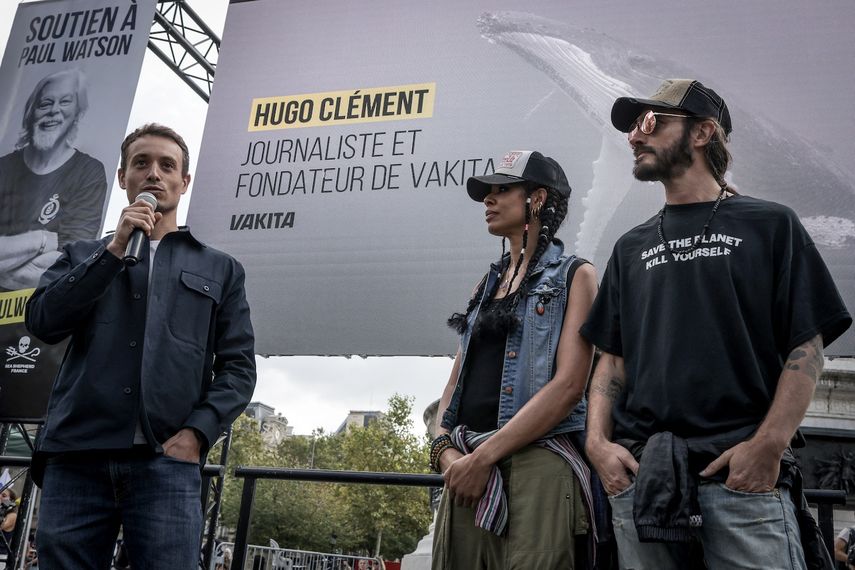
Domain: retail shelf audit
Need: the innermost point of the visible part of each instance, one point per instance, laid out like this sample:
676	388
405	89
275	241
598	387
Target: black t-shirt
68	201
704	335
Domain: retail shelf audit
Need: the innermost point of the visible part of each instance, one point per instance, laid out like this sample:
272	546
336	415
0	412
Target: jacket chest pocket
196	298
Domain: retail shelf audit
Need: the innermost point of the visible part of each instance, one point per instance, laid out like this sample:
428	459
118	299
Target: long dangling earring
535	213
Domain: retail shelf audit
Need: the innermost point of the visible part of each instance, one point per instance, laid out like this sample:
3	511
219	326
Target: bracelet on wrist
437	448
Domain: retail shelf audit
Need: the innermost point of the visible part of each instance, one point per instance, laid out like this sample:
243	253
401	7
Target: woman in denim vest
517	492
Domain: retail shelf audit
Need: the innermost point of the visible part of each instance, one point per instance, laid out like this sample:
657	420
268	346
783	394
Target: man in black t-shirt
50	192
712	317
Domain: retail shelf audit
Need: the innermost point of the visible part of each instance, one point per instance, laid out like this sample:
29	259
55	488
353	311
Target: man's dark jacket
189	363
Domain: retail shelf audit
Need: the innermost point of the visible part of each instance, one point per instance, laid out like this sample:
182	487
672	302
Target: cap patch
510	159
673	92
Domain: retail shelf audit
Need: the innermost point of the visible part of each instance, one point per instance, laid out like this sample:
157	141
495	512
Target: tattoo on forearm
807	358
797	354
610	390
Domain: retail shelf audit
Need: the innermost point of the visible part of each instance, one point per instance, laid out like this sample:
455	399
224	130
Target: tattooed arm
612	461
754	464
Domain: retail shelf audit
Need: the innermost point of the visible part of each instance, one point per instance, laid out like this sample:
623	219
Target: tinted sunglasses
647	122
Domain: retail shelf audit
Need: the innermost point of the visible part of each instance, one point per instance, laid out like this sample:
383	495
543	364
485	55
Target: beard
48	140
670	162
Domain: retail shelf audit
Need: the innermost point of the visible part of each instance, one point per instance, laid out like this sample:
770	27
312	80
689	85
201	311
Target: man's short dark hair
154	129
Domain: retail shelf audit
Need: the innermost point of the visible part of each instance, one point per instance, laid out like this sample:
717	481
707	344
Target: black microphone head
148	198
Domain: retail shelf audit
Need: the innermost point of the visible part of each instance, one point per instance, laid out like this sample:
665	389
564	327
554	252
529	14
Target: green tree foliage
323	517
396	517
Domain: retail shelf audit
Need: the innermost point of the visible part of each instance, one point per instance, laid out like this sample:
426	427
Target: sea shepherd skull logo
22	351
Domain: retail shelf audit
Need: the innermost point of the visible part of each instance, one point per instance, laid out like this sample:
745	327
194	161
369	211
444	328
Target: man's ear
704	132
121	175
186	179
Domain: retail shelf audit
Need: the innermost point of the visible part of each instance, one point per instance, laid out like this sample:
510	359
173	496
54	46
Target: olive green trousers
545	516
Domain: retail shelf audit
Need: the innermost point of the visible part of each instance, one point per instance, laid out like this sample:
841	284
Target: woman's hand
466	479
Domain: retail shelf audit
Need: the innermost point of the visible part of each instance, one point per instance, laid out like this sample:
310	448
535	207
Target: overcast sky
310	391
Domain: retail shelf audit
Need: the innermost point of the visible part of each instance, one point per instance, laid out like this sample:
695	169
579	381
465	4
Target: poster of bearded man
52	192
67	83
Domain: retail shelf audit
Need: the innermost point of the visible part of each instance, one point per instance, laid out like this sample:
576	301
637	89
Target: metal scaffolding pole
182	40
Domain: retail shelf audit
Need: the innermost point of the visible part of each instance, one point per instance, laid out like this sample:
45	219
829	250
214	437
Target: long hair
717	154
503	320
26	133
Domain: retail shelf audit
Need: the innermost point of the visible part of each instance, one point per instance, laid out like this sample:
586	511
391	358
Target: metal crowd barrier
825	499
822	498
251	475
272	558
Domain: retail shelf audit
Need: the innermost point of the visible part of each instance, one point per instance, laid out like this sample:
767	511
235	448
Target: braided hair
503	319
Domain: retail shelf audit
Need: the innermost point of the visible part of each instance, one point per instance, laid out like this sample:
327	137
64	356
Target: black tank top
482	378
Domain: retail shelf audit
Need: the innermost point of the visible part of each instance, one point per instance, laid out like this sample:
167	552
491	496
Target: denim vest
531	348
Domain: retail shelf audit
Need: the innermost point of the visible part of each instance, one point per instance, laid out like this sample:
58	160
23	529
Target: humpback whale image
770	162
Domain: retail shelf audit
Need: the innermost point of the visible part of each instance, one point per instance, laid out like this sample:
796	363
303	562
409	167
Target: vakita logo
22	358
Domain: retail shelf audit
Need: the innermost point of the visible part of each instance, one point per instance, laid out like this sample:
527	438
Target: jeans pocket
749	493
623	493
180	461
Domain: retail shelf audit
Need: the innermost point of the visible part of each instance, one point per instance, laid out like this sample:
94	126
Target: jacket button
137	296
512	354
206	288
133	343
127	391
72	279
508	390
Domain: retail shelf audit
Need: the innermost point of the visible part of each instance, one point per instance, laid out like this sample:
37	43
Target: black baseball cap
519	166
685	95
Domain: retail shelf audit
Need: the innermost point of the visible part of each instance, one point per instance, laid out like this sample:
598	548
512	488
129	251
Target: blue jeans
740	531
86	498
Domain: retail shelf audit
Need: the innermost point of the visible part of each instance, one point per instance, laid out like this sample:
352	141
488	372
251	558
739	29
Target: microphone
134	250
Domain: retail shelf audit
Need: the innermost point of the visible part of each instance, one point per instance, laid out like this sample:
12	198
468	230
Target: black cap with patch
685	95
518	166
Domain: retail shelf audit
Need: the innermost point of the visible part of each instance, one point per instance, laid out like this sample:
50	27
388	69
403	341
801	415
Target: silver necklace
506	284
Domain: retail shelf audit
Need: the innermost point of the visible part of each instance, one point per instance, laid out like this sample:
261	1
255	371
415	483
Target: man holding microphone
160	362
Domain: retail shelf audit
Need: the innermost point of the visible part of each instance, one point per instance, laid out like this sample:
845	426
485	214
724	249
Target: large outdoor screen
340	136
